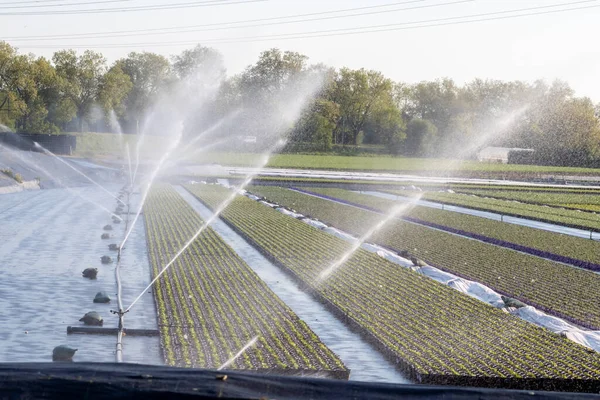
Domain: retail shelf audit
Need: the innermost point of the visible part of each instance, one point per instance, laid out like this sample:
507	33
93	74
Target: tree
273	72
357	92
200	63
420	137
29	86
563	129
150	74
273	93
82	76
317	124
114	87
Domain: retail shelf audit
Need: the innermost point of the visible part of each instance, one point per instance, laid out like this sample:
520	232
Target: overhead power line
438	22
213	28
20	5
142	31
156	7
37	2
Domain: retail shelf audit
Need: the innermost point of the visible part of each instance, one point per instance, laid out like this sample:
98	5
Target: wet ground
365	363
47	238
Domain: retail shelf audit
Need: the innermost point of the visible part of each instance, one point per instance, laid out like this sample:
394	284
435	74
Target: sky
558	45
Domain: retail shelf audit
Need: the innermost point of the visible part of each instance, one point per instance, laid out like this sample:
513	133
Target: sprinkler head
106	260
101	297
108	228
90	273
92	318
63	353
105	236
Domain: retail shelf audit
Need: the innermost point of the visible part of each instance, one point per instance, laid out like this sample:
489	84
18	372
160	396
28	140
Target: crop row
584	253
564	291
566	217
586	201
210	303
435	333
427	186
530	196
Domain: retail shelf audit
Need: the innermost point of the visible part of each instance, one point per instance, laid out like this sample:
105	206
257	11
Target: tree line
82	92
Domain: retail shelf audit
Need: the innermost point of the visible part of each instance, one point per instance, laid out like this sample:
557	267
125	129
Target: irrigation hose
121	313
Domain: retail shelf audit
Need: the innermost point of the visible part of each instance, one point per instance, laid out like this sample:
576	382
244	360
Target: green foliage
82	77
566	216
556	287
350	107
113	88
569	246
210	303
362	96
420	137
434	332
150	74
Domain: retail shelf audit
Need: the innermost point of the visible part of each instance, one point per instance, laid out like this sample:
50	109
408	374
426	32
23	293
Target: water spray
129	163
76	170
215	215
396	211
239	353
151	180
212	128
70	190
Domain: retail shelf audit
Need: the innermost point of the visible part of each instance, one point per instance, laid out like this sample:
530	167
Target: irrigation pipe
120	312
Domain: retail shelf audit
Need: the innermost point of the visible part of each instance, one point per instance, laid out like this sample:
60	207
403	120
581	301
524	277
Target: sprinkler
92	318
113	246
108	227
101	297
105	236
90	273
106	260
63	353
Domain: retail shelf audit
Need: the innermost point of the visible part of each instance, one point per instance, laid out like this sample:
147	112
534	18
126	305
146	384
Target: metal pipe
120	312
93	330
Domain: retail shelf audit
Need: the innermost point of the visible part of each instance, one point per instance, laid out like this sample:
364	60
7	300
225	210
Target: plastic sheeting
436	274
314	223
539	318
395	258
342	235
478	291
288	212
224	182
589	339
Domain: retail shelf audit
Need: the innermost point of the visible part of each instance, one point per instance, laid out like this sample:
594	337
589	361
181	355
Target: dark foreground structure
128	381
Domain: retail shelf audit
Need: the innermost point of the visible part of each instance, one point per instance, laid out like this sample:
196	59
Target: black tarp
130	381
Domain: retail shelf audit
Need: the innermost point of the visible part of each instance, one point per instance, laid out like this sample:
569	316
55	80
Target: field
589	202
210	303
409	316
565	291
567	217
573	250
96	145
